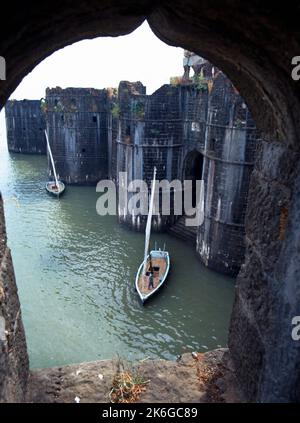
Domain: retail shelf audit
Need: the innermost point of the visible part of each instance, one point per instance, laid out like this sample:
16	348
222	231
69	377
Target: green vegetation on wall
138	110
115	111
200	82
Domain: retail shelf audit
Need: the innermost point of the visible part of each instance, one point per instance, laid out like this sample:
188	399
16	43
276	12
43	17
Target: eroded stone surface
265	356
14	365
169	381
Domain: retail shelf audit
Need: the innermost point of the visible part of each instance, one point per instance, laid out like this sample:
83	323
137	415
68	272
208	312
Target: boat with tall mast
55	187
155	267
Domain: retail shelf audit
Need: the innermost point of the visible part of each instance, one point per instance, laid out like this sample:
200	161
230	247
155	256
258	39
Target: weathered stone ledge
193	378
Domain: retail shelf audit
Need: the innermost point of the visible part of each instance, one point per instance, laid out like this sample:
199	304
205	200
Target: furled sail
149	220
51	158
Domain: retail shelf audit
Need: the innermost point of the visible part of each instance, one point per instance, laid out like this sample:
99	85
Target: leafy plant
139	110
115	111
58	107
200	82
44	106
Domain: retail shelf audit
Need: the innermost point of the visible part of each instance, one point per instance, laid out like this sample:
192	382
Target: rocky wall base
14	364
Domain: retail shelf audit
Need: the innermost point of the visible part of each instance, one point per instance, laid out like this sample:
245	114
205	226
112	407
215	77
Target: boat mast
52	161
149	219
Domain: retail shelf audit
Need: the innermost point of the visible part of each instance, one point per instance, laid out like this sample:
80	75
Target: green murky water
75	272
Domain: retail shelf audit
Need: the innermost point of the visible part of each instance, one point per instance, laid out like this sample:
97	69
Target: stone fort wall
172	127
77	129
14	363
196	128
25	124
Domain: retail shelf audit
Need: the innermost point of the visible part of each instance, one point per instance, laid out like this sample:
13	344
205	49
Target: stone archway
253	43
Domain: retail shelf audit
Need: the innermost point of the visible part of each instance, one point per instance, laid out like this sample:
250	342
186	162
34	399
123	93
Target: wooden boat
155	267
160	262
55	187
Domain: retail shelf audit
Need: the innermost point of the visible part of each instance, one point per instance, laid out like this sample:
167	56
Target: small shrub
44	106
139	110
200	82
115	111
128	383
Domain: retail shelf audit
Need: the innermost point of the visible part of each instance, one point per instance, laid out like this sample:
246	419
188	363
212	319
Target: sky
103	62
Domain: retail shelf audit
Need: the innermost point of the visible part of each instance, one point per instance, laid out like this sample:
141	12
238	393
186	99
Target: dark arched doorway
192	171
